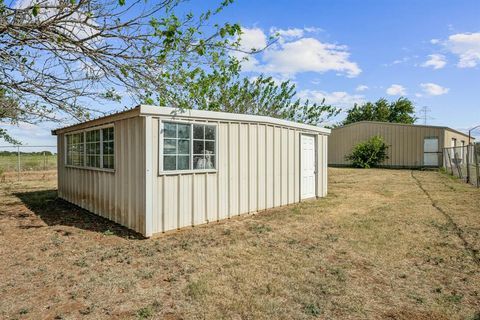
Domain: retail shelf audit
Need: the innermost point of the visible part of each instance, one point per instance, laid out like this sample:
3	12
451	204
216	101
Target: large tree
222	87
62	59
399	111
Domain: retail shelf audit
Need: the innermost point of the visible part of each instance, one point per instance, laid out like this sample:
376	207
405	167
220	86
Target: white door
430	151
307	169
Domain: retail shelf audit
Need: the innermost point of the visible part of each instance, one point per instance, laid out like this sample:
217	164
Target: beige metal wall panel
211	212
296	166
261	167
243	167
119	195
233	167
284	167
405	142
223	173
252	168
322	170
291	165
257	169
269	167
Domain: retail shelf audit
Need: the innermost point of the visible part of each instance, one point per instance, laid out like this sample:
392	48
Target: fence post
468	164
450	160
477	165
18	163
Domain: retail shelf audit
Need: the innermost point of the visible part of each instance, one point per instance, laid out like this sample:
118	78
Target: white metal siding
257	169
120	195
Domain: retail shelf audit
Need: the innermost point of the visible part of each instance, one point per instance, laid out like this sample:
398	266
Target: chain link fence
463	162
17	162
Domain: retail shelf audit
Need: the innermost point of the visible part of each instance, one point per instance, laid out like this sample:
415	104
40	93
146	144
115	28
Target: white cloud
361	88
336	98
396	90
75	26
467	47
253	38
433	89
434	41
436	61
296	54
292	33
309	55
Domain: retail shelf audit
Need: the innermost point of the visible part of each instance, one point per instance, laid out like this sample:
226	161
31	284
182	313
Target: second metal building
410	146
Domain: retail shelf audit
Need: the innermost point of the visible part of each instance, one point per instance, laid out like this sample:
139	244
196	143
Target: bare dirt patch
378	247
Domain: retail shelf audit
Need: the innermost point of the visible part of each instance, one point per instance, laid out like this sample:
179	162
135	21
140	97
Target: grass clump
312	310
197	289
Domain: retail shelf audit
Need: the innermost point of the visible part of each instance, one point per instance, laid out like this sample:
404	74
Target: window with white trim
188	146
75	149
203	146
108	146
91	148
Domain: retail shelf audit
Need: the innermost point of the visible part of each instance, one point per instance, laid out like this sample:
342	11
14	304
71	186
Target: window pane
170	130
183	162
169	146
210	147
108	148
108	162
183	130
198	131
209	162
198	162
108	134
183	146
169	162
198	146
209	132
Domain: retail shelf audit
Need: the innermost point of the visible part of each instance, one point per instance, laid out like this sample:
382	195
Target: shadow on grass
57	212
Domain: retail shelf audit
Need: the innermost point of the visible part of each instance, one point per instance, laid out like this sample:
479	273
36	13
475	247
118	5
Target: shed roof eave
225	116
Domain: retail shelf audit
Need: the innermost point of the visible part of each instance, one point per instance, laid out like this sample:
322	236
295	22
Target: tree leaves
35	9
399	111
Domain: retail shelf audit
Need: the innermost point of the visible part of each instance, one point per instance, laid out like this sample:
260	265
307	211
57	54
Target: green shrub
368	154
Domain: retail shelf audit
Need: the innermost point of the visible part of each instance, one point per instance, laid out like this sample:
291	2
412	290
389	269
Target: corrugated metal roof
197	114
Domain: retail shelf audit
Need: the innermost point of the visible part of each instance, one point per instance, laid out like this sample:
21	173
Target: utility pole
424	111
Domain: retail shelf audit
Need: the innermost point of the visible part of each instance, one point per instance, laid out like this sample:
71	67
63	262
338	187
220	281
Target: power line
424	114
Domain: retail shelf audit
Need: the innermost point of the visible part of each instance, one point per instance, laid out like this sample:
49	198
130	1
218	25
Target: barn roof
401	124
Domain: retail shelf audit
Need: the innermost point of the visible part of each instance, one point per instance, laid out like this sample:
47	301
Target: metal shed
156	169
410	146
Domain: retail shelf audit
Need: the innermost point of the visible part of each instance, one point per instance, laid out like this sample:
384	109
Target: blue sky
354	51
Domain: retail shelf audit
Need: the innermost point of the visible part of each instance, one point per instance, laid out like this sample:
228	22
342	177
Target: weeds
260	228
108	232
197	289
312	310
80	263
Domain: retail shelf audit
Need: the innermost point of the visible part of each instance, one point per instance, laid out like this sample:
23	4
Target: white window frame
84	131
191	170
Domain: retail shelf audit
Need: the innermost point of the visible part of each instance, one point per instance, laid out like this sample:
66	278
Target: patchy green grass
385	244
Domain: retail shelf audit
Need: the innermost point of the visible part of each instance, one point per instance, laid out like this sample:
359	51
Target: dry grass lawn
385	244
